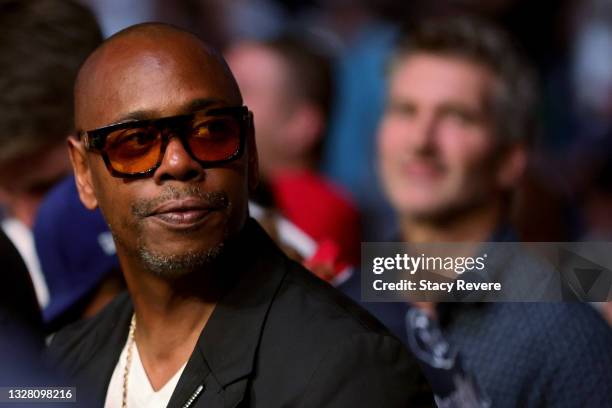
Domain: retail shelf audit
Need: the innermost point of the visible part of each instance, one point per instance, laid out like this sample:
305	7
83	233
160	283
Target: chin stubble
177	265
174	265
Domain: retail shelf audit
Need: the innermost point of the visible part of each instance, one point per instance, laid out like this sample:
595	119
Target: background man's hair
514	103
310	69
42	45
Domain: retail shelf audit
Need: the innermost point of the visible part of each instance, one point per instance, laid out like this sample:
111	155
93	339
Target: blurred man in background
287	83
452	148
42	45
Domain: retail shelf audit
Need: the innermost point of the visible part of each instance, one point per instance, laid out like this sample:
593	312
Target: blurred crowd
352	138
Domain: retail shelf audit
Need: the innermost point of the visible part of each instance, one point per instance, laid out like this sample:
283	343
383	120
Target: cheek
385	157
465	150
236	186
232	180
111	195
391	141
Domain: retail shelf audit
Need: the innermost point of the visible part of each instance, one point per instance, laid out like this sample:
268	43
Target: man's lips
422	170
182	212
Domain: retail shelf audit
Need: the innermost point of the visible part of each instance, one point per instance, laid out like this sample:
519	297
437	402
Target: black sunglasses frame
95	140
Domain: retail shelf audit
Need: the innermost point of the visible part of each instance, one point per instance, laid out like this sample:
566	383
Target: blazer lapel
196	386
226	350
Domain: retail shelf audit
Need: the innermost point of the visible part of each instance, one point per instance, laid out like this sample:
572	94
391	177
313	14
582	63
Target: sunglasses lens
210	139
215	139
133	151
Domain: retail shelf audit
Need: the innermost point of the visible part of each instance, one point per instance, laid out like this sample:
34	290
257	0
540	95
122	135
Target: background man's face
164	81
265	85
436	147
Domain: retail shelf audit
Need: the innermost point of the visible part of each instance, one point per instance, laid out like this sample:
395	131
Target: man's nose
424	134
177	164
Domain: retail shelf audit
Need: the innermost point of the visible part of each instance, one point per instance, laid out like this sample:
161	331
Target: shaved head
129	56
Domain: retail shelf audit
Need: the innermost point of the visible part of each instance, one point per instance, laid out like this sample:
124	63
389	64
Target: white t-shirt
140	393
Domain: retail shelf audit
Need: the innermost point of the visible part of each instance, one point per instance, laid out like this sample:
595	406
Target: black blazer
280	338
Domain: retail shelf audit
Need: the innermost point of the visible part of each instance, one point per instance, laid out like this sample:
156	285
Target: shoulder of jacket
75	335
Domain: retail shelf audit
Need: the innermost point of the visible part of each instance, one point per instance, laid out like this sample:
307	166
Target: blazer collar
226	350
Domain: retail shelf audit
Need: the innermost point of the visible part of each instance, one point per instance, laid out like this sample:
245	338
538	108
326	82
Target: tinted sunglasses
136	149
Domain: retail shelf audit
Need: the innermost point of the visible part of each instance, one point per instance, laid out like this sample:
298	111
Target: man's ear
82	173
513	166
253	163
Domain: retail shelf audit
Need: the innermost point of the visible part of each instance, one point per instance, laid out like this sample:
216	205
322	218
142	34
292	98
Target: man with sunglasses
216	315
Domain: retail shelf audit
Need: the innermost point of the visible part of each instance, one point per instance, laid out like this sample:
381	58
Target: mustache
215	200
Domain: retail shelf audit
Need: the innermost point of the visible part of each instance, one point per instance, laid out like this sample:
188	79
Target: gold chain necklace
128	361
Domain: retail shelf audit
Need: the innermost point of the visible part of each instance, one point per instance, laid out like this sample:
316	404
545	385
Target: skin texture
441	164
170	259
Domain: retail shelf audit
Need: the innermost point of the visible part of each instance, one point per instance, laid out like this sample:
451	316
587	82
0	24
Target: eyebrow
189	107
203	103
135	116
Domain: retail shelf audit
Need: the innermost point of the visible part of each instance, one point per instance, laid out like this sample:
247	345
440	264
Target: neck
172	313
473	225
167	317
168	325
